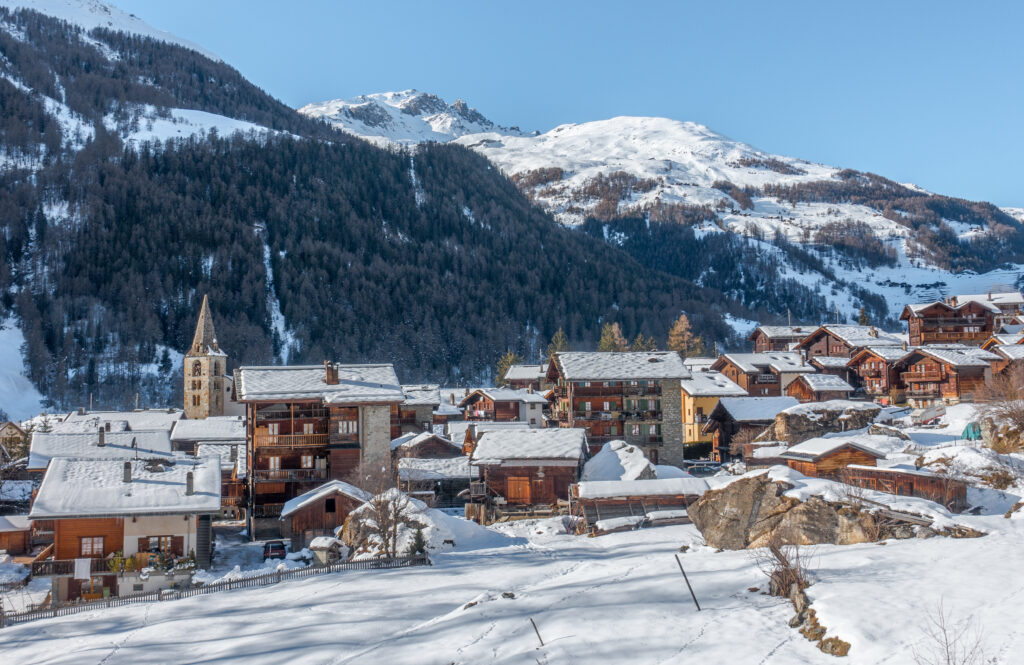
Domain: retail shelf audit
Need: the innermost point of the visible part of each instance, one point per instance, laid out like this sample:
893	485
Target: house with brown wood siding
777	338
504	405
306	424
113	518
944	375
763	374
319	512
843	341
828	457
873	369
818	388
970	322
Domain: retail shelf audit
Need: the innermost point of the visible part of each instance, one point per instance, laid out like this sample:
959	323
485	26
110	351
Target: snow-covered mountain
90	14
658	169
405	117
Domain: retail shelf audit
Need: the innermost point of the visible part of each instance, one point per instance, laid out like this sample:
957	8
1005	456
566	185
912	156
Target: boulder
807	421
749	512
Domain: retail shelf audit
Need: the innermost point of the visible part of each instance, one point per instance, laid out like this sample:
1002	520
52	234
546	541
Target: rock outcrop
751	511
807	421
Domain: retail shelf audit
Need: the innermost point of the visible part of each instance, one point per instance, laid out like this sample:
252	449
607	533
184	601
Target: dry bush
948	642
740	440
999	478
853	494
784	564
381	520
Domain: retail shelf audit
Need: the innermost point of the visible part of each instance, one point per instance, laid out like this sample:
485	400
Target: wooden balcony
287	414
267	510
290	440
870	371
923	392
66	567
952	337
289	475
917	377
596	415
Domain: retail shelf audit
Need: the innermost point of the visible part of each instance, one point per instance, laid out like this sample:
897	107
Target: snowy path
614	599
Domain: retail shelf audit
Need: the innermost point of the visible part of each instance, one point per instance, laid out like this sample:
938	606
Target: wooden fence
13	618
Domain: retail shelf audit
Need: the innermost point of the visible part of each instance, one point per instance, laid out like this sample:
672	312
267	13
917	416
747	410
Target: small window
91	546
348	427
329	506
307	461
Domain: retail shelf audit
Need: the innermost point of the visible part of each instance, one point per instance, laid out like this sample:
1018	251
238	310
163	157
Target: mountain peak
405	117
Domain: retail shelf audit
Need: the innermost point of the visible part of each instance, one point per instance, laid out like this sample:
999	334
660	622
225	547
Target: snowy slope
613	599
405	117
91	14
150	126
18	397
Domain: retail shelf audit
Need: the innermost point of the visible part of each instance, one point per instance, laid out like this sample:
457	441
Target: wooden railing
290	440
267	510
928	336
286	414
66	567
931	375
288	475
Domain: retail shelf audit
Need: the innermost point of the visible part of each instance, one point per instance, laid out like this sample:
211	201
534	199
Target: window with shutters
348	427
307	461
159	544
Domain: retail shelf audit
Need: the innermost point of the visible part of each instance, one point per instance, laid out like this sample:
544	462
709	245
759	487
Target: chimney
451	398
190	488
106	426
81	410
529	389
127	472
904	346
234	452
103	438
474	432
330	373
467	392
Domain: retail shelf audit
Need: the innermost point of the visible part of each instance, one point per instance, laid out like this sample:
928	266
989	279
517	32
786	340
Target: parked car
274	549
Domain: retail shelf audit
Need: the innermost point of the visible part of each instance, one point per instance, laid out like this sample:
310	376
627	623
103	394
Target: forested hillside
431	259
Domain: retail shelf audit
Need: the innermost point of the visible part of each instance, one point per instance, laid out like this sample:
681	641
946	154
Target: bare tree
785	564
1002	400
949	642
380	520
737	445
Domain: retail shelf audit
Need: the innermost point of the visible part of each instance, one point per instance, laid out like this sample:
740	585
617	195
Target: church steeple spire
205	339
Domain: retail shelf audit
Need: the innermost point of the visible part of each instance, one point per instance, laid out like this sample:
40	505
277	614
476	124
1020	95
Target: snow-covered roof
74	487
526	372
143	419
324	543
215	428
829	362
10	523
357	384
965	356
422	395
830	405
756	409
415	438
887	353
896	468
698	363
780	361
861	336
768	451
618	460
46	446
325	490
451	468
917	308
710	384
612	489
222	450
1008	338
818	447
1004	298
621	366
1010	351
506	395
820	383
457	429
555	443
783	332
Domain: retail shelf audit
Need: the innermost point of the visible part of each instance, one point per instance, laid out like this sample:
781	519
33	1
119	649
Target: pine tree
418	544
862	318
507	360
682	340
651	344
560	342
612	338
639	343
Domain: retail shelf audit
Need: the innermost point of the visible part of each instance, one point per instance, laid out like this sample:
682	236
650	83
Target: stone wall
672	450
376	435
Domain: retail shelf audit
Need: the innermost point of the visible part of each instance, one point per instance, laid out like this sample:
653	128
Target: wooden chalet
1003	339
906	480
944	375
432	469
504	405
777	338
1010	356
742	418
633	396
970	322
15	534
319	512
818	388
831	365
828	457
113	518
308	424
604	503
843	341
521	377
763	374
527	468
12	436
1009	303
873	370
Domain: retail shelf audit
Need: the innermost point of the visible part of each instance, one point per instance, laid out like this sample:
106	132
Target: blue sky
925	92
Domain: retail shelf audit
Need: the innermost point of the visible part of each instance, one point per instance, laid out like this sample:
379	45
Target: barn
319	511
828	457
606	505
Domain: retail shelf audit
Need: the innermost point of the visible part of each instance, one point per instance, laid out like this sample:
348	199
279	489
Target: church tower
205	368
